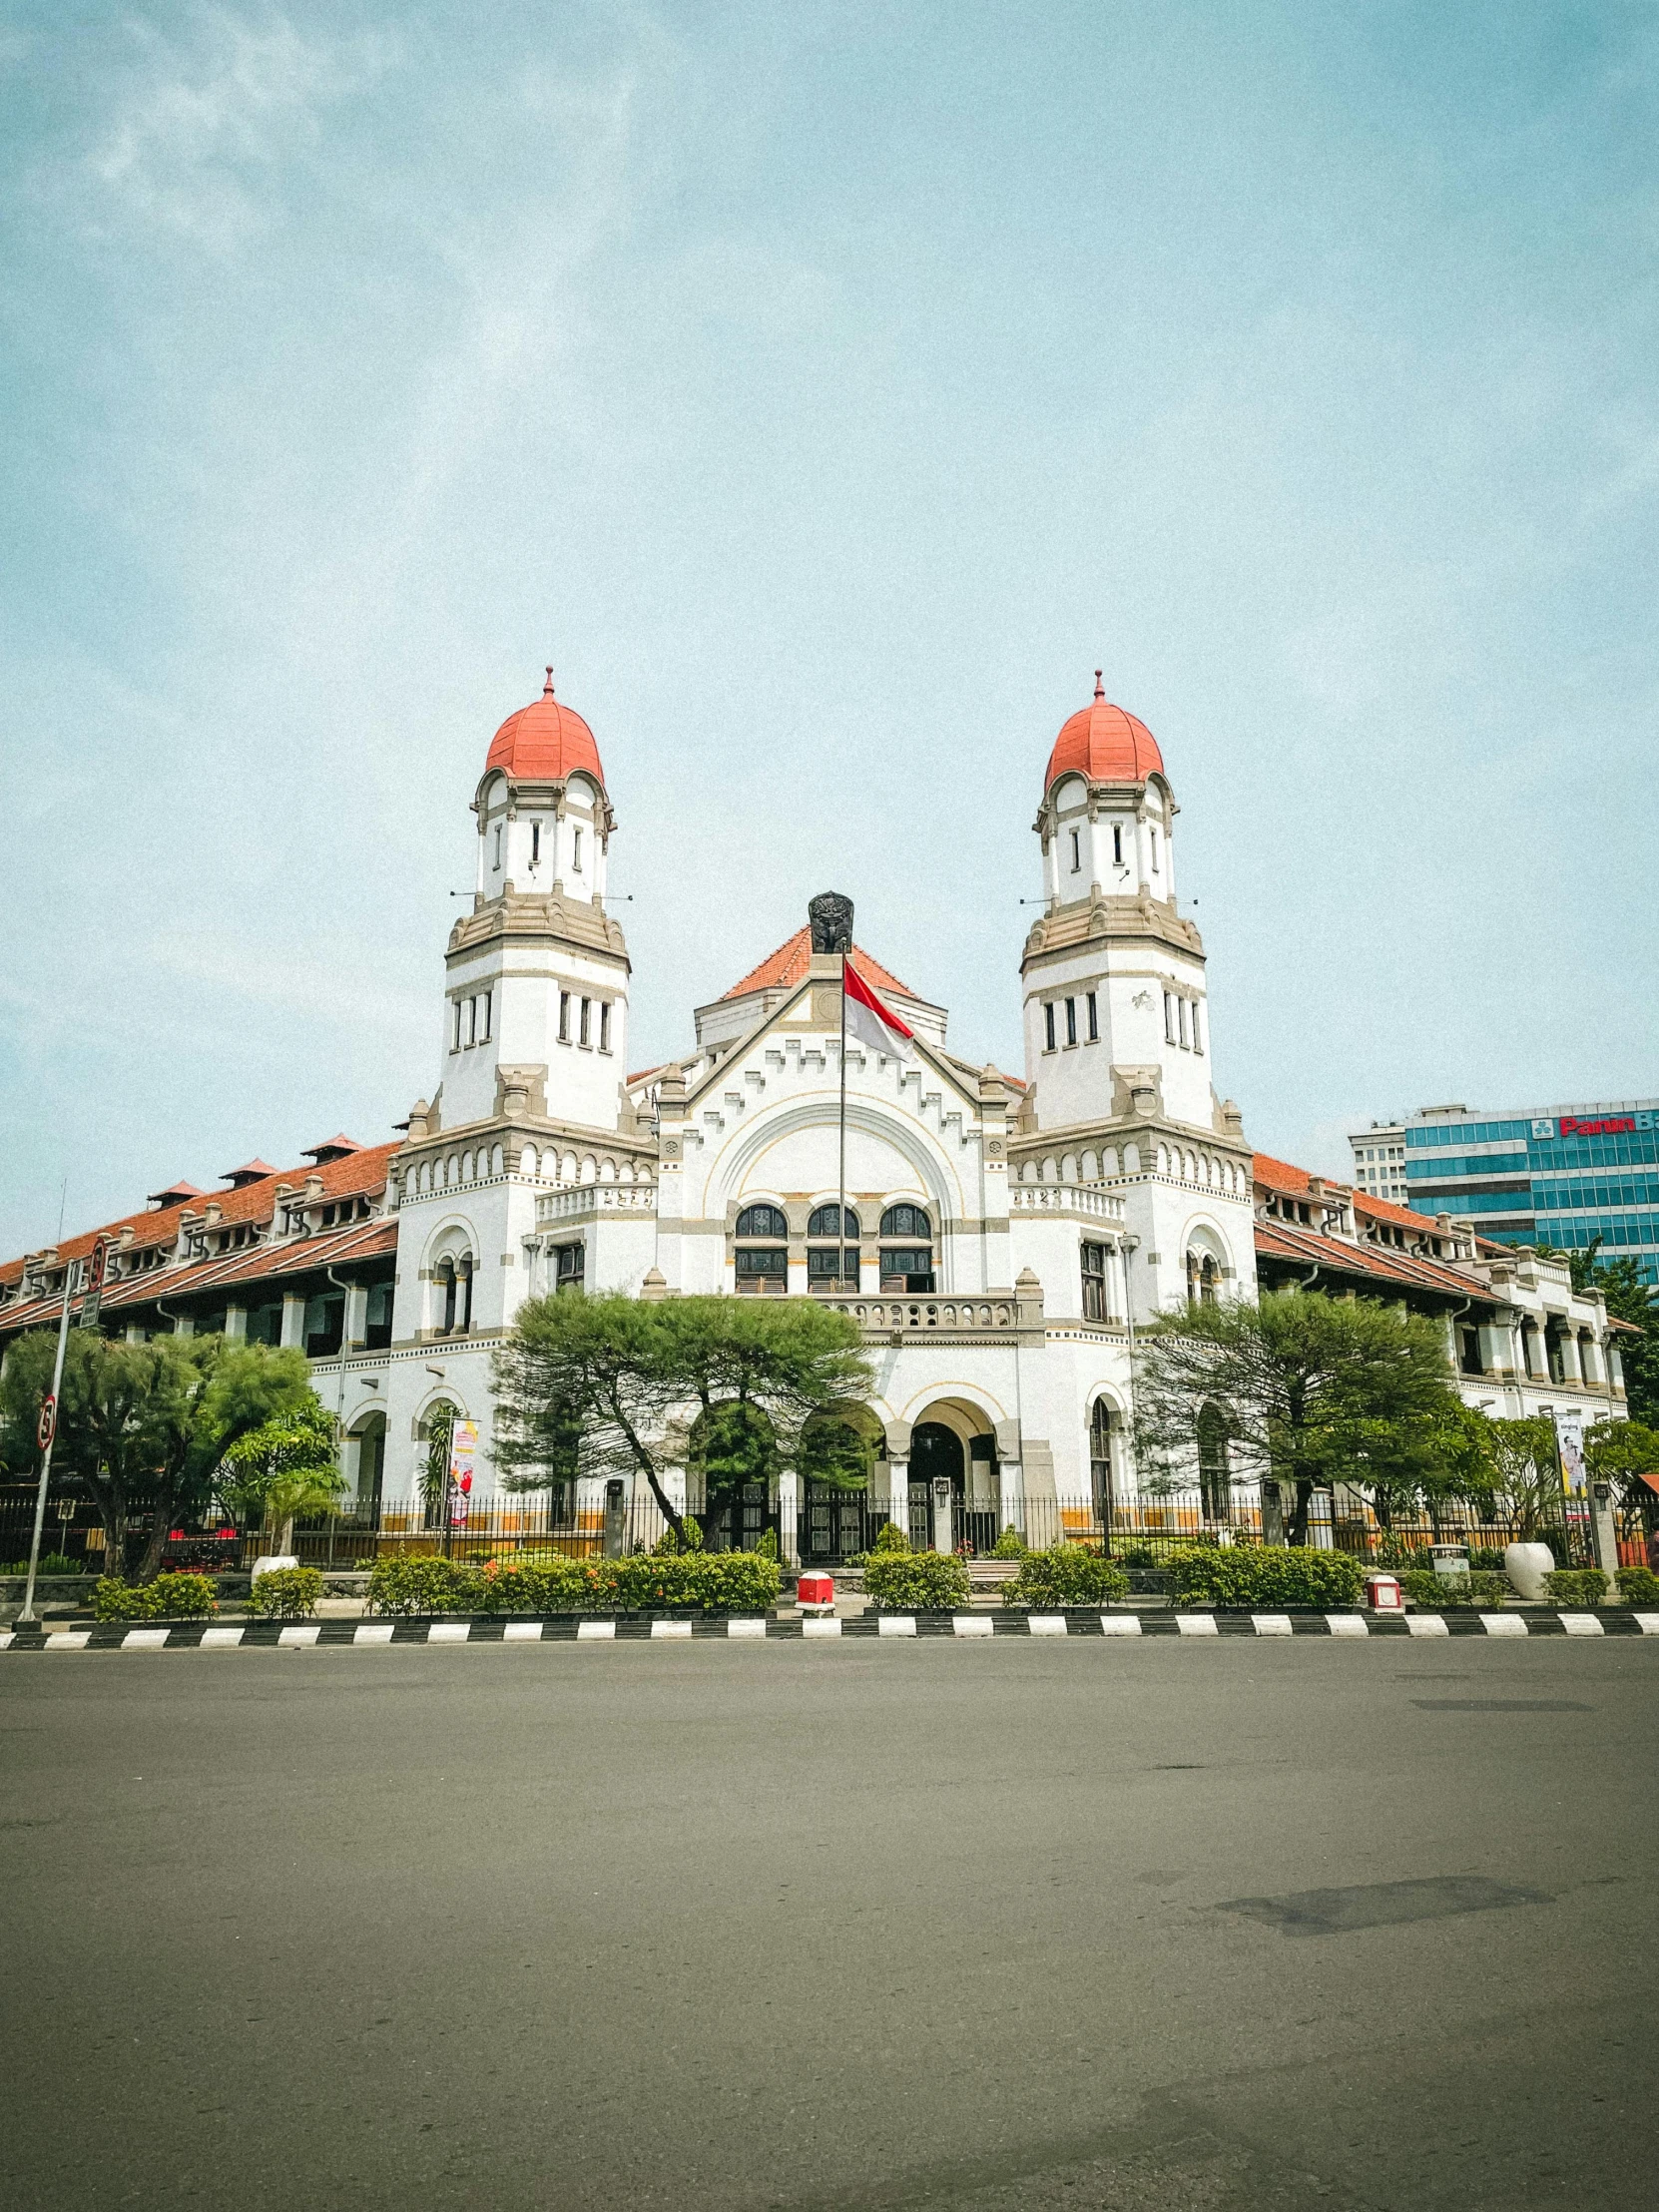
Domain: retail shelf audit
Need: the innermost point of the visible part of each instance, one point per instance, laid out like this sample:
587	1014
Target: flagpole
840	1204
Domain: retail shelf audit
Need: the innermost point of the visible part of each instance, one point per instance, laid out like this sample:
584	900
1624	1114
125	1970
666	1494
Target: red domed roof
544	743
1104	744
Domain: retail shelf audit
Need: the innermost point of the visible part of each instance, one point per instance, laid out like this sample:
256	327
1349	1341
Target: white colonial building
1005	1233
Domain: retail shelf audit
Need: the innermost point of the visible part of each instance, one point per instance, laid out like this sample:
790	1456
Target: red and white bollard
815	1593
1383	1594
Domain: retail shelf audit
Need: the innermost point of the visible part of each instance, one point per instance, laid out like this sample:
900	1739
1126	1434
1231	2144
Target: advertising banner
1569	1444
463	1452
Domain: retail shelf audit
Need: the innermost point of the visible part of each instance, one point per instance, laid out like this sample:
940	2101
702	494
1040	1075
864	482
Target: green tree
145	1425
1620	1453
285	1470
1313	1390
629	1378
1525	1487
1631	1301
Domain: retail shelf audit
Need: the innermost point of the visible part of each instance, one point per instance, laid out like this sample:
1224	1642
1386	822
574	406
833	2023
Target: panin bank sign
1570	1125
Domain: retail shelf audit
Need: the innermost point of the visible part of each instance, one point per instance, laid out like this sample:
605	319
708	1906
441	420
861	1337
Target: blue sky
826	391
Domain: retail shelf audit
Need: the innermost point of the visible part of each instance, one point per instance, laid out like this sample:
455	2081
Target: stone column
236	1325
294	1319
1568	1343
899	1474
1010	1476
354	1319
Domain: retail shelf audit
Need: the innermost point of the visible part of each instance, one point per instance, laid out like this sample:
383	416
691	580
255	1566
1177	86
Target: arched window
906	1221
1203	1279
454	1276
907	1266
762	1221
827	1268
763	1265
1100	1463
1215	1479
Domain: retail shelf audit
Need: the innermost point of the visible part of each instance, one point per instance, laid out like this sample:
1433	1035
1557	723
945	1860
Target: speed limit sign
48	1422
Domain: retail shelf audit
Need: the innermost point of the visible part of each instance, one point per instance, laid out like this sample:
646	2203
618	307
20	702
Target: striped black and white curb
303	1635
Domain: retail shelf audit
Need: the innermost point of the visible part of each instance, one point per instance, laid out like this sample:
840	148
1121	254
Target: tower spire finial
1099	687
547	688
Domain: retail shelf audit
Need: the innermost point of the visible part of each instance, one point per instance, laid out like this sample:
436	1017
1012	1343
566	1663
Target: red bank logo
1611	1127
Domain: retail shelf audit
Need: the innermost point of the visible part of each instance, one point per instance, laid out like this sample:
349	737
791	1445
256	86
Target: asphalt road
1100	1926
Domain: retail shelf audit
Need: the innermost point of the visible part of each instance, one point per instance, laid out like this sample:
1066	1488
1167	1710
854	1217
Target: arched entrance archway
955	1441
369	1439
838	1516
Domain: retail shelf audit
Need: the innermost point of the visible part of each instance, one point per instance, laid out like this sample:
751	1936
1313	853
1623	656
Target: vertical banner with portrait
463	1452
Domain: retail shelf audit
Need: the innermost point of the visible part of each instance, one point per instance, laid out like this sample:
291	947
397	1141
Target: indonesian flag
869	1021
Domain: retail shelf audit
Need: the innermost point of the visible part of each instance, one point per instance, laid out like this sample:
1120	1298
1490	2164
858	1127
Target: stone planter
1526	1565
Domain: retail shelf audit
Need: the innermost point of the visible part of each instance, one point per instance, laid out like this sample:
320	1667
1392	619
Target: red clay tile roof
789	966
1277	1239
544	743
1104	744
360	1173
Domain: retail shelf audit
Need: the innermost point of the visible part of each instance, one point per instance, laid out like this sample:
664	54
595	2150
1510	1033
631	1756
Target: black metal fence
831	1526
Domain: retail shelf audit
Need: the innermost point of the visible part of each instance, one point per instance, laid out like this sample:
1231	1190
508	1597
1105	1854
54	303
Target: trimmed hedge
1576	1586
286	1593
700	1581
168	1597
916	1581
1639	1586
1065	1574
1482	1591
1264	1576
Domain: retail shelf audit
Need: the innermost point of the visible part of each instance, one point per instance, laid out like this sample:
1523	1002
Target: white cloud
204	119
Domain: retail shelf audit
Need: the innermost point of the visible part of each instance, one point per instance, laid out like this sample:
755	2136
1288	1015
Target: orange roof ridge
790	962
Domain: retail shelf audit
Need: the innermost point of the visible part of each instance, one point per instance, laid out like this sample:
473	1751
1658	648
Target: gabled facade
1003	1234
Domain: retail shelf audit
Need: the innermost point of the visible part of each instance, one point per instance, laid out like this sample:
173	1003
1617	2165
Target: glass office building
1561	1175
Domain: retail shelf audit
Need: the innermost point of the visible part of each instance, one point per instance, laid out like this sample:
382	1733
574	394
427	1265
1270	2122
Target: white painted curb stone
1503	1624
450	1632
7	1639
521	1632
1271	1624
1197	1624
1120	1624
301	1638
373	1633
820	1625
1648	1623
1046	1625
145	1639
1347	1624
69	1639
1426	1624
678	1630
745	1628
1581	1624
593	1632
971	1624
895	1624
220	1639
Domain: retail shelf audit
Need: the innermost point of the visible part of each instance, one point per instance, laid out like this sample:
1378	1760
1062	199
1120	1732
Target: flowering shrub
909	1581
286	1593
704	1581
1264	1576
168	1597
1065	1574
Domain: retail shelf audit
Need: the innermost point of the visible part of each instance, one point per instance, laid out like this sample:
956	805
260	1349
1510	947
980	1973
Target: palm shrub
910	1581
1259	1576
1066	1574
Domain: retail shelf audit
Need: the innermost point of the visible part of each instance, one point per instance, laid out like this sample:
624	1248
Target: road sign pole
47	1442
